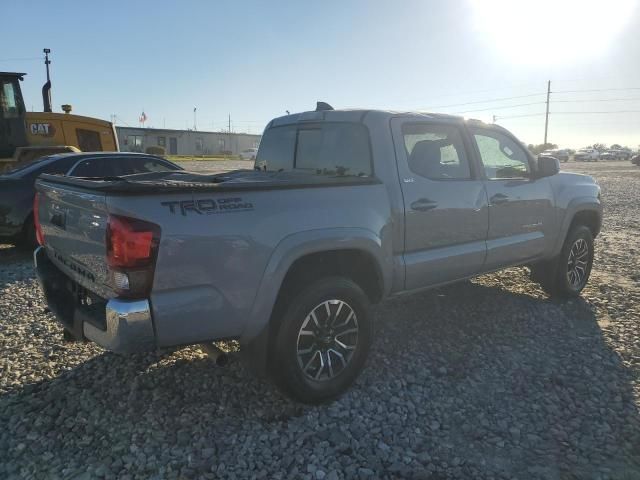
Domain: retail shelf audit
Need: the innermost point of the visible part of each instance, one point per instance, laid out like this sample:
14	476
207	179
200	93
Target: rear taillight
132	247
36	219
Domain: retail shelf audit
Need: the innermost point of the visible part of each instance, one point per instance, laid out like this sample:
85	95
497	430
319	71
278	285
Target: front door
446	211
521	215
173	146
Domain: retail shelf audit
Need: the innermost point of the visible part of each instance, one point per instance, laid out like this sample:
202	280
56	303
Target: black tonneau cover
177	181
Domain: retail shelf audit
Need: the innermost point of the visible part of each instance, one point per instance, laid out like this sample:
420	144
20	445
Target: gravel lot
483	379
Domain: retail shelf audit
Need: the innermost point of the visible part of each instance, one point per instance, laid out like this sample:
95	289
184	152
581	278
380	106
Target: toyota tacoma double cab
343	209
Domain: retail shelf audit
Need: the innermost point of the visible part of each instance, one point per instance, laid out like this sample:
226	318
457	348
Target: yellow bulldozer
26	136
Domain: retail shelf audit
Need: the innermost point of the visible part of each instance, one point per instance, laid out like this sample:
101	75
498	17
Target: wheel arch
580	211
326	252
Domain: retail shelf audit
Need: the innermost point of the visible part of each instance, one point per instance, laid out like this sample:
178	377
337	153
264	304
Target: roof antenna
322	106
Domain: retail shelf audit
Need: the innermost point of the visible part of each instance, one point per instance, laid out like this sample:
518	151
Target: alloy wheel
327	340
577	264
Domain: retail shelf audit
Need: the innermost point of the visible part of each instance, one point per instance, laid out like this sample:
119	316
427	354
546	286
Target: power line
116	117
500	108
598	90
568	113
587	113
497	89
629	99
520	116
486	101
22	59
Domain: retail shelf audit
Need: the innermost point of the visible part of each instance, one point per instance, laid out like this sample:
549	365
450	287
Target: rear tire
568	274
323	340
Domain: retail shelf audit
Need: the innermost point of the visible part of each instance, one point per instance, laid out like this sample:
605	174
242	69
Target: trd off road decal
208	206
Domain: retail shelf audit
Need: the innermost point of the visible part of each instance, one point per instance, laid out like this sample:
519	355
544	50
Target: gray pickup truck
342	210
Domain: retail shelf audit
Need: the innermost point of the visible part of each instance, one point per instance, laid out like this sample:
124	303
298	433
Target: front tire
568	274
323	340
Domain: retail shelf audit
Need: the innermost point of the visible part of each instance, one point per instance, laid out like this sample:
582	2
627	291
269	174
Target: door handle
423	204
499	198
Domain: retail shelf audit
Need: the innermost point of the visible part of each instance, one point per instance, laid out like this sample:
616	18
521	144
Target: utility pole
546	118
229	123
195	127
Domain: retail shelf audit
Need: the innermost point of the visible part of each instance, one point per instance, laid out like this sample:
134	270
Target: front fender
296	246
578	204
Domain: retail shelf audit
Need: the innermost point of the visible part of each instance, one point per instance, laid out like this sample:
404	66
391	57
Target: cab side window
92	167
501	156
132	166
436	152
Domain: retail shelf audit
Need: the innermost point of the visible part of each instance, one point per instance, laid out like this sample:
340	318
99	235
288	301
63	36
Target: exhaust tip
219	357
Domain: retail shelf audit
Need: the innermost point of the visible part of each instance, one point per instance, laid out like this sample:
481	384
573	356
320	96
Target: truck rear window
332	149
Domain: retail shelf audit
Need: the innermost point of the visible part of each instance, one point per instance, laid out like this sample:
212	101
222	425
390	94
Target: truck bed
217	235
180	181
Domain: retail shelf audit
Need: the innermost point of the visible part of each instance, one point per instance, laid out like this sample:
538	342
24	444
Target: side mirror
547	166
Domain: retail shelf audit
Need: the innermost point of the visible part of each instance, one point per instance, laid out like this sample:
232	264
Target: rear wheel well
357	265
589	219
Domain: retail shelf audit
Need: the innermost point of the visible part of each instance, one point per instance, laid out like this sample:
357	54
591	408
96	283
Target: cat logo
42	129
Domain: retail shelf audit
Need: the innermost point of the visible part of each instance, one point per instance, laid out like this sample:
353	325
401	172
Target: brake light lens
132	247
130	242
36	219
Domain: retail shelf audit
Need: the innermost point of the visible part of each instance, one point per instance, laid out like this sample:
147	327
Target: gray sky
256	59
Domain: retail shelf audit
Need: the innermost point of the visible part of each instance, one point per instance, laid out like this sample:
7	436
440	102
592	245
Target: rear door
521	215
446	215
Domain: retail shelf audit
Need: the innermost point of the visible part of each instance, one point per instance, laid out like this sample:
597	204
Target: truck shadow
11	254
479	370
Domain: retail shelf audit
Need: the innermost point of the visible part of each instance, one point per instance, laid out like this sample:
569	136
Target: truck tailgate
74	224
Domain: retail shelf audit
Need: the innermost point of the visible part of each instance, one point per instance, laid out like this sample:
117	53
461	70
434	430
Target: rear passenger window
276	149
93	167
57	167
436	152
332	149
132	166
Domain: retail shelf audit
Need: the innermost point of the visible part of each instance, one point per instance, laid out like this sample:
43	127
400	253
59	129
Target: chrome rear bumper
123	326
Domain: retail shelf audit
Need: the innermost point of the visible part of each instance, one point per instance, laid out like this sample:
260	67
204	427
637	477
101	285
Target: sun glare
539	32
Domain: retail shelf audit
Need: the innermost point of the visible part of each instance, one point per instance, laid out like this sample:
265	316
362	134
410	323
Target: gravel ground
483	379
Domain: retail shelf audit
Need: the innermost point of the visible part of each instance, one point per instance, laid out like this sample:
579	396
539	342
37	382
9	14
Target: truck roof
358	115
355	115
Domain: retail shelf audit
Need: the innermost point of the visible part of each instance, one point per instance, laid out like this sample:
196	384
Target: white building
185	142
